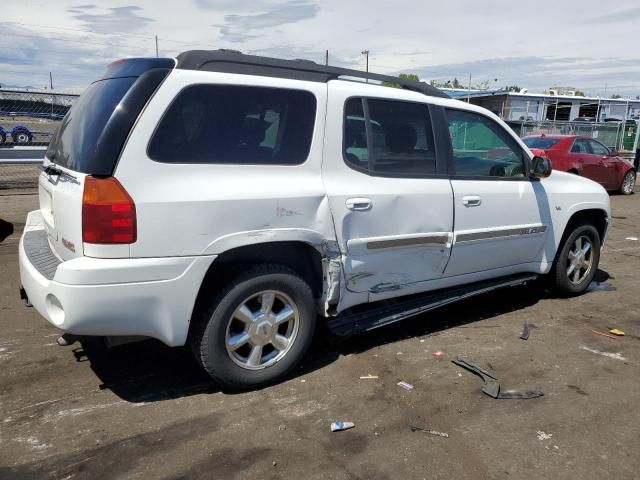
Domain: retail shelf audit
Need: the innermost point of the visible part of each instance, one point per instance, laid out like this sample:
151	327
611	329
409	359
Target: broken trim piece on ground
492	387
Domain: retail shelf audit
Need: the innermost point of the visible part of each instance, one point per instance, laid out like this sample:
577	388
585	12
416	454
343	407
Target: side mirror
540	167
613	153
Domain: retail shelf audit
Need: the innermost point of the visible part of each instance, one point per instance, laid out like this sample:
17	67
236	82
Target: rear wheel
257	329
22	137
628	183
577	261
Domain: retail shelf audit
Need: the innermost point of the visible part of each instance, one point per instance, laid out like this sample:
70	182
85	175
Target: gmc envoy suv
232	202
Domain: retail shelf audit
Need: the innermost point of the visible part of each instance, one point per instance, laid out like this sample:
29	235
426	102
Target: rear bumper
151	297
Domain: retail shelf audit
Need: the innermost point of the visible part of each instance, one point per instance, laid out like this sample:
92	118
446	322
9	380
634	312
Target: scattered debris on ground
544	436
438	354
340	426
526	330
430	432
617	332
492	387
634	239
604	334
615	356
368	377
600	287
407	386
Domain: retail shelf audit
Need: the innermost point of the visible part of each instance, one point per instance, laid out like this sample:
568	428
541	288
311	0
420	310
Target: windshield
74	144
540	142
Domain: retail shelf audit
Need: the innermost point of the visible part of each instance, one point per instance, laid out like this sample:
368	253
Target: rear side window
236	125
580	146
395	140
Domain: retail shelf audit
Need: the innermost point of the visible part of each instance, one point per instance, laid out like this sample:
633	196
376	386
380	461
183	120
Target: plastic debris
617	332
430	432
368	377
604	334
526	330
600	287
615	356
635	239
340	426
492	387
544	436
438	354
405	385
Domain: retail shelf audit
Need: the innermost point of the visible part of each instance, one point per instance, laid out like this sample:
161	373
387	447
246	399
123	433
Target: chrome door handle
358	204
471	201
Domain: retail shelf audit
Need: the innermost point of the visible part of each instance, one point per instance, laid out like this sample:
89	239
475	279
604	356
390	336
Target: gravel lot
146	411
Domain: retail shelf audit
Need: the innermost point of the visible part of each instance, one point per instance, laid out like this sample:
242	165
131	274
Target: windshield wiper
52	169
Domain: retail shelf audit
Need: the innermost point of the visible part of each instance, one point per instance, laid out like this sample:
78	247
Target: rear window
75	142
540	142
228	124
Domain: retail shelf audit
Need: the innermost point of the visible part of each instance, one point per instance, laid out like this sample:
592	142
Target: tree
404	76
580	93
615	95
513	88
456	83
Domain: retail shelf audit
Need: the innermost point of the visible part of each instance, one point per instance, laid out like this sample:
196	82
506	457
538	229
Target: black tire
208	336
559	273
3	138
628	183
22	136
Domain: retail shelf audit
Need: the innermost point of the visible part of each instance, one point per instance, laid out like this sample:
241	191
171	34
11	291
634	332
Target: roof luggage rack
232	61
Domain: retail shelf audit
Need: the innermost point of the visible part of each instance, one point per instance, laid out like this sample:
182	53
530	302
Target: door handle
471	201
358	204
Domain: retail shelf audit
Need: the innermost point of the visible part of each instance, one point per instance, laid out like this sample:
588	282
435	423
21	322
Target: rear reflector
108	212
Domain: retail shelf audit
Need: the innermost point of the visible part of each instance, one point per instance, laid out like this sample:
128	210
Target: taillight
108	212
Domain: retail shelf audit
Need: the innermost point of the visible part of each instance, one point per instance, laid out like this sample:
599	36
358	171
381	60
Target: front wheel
577	261
257	329
628	183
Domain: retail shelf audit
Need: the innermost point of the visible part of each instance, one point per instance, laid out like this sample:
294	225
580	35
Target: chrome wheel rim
22	138
629	182
262	329
579	260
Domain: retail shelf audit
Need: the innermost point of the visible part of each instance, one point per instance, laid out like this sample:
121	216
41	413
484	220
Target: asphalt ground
147	411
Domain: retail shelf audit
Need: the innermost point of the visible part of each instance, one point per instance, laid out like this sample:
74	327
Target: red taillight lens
108	212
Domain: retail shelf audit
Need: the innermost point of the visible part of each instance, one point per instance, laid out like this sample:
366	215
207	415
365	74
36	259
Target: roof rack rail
230	61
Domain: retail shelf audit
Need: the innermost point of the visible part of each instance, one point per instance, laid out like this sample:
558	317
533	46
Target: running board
359	319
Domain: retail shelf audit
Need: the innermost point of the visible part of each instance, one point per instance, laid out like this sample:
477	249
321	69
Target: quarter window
236	125
396	140
481	148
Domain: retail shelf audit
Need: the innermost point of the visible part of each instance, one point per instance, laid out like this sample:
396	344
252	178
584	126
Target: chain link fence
28	119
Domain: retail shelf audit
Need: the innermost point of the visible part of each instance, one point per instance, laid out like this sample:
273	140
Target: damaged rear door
391	202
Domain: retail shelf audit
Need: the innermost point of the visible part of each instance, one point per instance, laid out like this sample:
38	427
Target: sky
590	45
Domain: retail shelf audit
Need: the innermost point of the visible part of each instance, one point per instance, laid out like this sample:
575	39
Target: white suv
233	201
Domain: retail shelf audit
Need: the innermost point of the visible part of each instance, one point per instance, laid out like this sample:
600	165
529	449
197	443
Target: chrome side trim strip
406	242
512	232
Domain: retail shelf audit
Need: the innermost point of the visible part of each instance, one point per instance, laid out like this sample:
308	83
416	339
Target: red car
587	157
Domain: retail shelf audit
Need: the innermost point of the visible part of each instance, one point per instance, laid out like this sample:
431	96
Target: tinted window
482	148
74	144
540	142
401	138
598	149
236	124
580	146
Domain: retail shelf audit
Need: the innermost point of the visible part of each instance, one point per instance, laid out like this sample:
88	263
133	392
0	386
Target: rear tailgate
89	142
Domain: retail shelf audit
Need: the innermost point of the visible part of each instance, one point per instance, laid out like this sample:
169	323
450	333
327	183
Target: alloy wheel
579	260
262	329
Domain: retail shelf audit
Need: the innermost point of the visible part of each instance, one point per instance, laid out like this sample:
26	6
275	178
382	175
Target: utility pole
156	45
469	91
50	80
366	54
326	57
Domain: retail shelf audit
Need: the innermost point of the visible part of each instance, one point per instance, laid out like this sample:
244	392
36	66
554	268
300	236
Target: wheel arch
598	217
309	261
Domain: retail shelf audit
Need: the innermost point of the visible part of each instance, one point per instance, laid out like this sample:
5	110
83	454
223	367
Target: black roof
232	61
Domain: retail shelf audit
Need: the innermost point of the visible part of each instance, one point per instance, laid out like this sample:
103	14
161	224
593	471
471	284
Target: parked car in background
19	134
586	157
